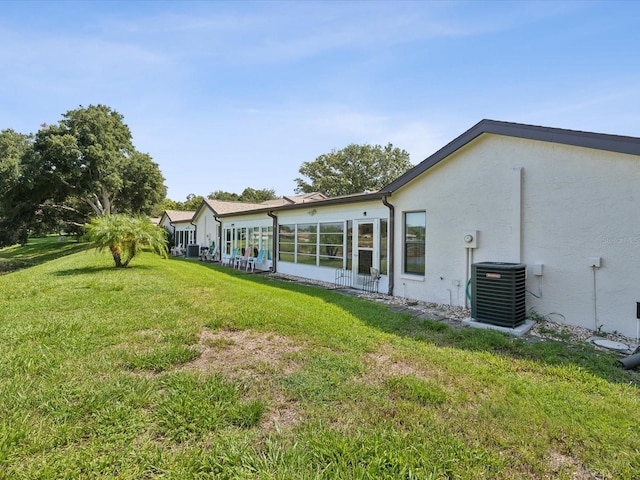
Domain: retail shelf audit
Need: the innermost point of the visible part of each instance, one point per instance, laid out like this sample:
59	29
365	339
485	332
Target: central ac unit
498	293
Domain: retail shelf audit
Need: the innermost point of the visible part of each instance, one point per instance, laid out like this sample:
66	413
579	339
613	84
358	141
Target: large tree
88	166
17	207
354	169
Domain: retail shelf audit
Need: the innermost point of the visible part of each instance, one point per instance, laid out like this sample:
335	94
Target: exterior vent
498	293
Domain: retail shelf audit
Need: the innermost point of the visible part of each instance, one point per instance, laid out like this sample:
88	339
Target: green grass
38	250
179	369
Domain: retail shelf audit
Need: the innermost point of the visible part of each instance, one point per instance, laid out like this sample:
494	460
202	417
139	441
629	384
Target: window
383	246
228	240
414	242
254	240
331	245
267	241
287	243
307	246
241	239
349	244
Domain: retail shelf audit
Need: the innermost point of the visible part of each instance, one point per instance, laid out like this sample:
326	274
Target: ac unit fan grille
498	293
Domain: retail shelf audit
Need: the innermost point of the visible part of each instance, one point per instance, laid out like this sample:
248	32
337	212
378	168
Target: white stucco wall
537	203
207	229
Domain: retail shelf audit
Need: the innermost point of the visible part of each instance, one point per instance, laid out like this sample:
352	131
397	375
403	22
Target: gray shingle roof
179	215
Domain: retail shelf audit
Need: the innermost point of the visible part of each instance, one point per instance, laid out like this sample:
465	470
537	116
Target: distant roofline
344	199
168	213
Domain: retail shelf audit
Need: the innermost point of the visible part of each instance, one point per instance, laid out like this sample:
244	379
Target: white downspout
516	213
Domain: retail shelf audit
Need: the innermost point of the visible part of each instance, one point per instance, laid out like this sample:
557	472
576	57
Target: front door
365	246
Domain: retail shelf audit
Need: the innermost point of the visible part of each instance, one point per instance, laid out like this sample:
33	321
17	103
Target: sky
226	95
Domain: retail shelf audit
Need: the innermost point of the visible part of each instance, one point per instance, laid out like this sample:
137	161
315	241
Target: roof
598	141
290	200
343	199
179	215
224	207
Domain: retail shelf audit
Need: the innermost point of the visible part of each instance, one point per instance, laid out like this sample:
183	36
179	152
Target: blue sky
228	95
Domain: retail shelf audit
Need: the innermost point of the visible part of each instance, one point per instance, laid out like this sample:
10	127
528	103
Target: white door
365	250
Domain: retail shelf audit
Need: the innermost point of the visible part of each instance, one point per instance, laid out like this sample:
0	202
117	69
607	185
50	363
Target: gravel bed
453	315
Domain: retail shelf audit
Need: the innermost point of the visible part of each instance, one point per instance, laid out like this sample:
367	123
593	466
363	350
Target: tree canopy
354	169
89	160
84	166
17	209
249	195
192	202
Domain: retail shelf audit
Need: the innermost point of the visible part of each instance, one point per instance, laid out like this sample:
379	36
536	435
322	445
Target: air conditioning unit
193	251
498	293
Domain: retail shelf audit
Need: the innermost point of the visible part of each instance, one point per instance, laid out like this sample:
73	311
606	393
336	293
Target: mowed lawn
179	369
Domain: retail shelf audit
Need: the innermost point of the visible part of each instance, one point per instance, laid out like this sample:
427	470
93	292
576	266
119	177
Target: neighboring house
207	224
562	202
178	223
336	239
254	231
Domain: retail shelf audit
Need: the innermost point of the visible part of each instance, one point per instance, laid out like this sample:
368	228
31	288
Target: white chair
230	260
253	260
242	260
211	253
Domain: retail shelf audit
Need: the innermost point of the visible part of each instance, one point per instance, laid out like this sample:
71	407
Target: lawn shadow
452	334
97	269
38	251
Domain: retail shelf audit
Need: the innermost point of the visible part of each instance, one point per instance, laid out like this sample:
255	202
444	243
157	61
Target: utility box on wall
498	293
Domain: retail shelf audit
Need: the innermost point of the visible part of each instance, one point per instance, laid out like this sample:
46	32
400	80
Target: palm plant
126	236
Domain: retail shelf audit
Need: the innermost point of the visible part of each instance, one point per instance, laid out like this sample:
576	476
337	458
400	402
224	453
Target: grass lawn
179	369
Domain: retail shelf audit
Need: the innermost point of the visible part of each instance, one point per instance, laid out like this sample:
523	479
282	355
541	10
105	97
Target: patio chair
212	252
242	260
253	260
176	250
230	260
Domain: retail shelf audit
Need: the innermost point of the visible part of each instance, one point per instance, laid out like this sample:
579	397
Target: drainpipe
173	233
391	253
516	213
275	240
219	237
195	234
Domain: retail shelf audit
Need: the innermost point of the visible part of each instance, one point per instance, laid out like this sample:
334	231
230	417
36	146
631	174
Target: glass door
365	246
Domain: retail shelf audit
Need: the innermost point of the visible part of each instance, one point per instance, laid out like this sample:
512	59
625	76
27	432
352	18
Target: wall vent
498	293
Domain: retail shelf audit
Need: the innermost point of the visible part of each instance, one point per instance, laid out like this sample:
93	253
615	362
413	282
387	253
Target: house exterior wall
371	211
184	233
538	203
166	223
207	229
